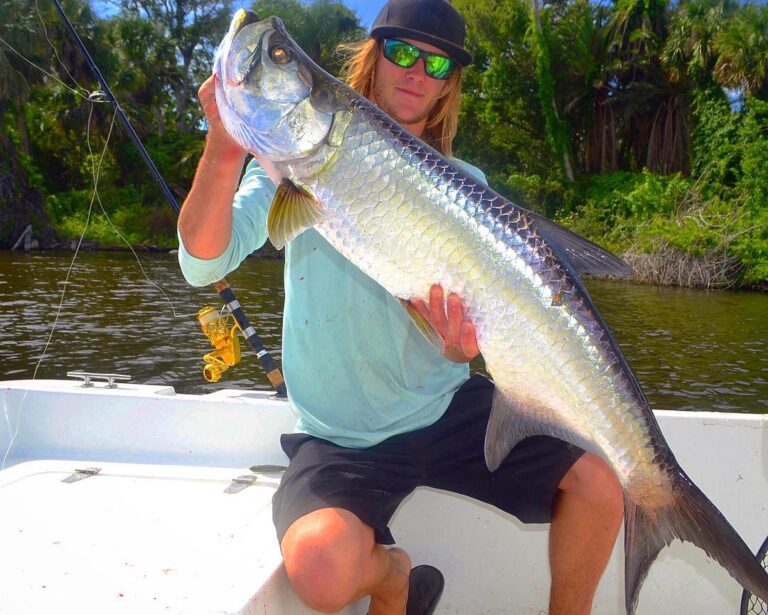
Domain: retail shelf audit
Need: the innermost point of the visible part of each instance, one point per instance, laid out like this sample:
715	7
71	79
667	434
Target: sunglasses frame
424	55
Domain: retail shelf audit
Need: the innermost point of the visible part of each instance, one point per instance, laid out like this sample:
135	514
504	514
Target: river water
690	350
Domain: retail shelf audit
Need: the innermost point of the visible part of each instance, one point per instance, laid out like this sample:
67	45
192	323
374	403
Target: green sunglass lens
438	66
405	55
402	54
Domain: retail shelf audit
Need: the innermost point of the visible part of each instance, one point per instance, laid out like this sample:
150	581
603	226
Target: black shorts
371	482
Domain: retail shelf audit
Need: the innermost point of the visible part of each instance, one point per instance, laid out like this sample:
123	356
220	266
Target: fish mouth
242	18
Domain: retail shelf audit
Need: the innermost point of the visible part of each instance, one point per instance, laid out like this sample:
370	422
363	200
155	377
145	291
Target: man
380	411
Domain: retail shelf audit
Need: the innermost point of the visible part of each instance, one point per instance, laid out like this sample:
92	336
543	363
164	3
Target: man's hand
449	320
217	134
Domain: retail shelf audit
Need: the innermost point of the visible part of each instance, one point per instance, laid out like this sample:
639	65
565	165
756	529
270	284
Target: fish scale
409	218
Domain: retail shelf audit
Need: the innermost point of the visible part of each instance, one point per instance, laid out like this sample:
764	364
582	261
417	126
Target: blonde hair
441	127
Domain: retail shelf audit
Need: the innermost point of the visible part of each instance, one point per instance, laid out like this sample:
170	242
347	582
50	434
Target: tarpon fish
409	218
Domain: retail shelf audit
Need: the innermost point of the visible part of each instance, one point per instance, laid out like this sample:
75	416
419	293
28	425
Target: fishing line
130	247
93	98
55	51
42	70
96	170
96	96
102	97
266	360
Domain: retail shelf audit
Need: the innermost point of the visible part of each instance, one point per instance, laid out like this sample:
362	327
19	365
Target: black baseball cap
435	22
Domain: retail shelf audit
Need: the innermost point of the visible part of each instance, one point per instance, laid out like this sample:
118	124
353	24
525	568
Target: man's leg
332	560
587	517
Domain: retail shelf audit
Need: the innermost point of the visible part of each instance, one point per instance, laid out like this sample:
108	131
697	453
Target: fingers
422	308
449	318
206	88
437	313
455	319
207	95
217	136
468	339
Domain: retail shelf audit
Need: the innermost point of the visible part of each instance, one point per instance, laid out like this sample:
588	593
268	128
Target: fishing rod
223	289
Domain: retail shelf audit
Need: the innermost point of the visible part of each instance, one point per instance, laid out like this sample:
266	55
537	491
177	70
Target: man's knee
324	556
592	480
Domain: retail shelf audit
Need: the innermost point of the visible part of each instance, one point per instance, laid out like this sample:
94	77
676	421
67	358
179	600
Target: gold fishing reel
221	331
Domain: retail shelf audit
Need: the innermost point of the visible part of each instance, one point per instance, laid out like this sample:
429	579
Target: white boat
138	500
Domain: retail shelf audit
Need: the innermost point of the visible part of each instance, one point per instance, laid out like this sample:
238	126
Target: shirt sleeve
249	230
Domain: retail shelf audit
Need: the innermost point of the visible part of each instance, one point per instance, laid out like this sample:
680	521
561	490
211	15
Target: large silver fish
408	218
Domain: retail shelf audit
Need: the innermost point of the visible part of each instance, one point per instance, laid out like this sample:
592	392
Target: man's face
407	94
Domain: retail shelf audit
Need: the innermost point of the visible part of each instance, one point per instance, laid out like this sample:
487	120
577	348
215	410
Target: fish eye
280	55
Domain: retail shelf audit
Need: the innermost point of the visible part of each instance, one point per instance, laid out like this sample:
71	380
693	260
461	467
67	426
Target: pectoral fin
293	211
423	325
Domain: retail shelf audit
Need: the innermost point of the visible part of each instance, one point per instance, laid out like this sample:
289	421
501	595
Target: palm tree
654	108
689	49
194	28
742	51
584	74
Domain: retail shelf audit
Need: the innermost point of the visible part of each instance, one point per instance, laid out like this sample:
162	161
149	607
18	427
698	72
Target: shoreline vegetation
713	271
641	125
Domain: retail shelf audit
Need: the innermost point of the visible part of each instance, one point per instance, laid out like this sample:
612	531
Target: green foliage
753	183
556	128
742	51
645	213
636	85
502	128
614	209
545	195
318	26
139	224
715	135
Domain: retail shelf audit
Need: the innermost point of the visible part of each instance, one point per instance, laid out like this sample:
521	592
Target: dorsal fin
581	254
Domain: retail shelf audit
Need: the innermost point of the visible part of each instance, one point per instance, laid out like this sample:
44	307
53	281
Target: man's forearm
205	221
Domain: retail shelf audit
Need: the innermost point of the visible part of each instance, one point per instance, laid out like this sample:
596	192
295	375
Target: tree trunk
21	126
548	98
20	204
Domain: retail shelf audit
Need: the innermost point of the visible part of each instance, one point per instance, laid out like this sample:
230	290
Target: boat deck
156	530
134	539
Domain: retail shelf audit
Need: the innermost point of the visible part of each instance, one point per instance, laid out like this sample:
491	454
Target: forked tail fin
692	517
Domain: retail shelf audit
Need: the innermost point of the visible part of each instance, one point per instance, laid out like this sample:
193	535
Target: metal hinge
241	482
80	474
246	480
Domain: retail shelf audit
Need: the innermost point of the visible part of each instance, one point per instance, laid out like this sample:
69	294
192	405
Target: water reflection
691	350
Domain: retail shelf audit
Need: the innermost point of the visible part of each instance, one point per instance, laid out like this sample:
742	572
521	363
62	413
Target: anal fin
512	420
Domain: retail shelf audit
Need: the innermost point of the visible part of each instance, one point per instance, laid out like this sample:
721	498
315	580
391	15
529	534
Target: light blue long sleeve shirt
357	369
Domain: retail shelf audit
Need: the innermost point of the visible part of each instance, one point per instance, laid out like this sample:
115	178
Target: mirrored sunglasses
405	55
